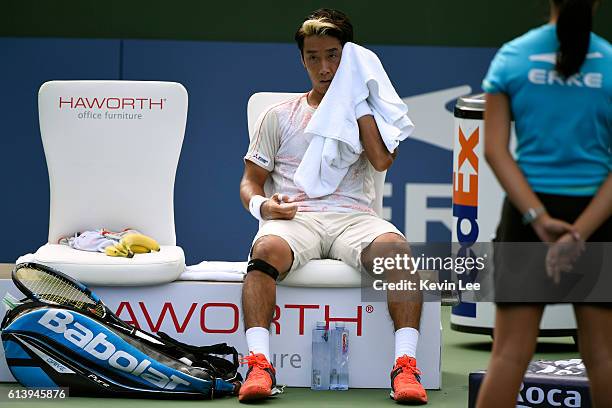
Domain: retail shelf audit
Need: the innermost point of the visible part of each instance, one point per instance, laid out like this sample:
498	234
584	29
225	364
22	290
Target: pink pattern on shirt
350	196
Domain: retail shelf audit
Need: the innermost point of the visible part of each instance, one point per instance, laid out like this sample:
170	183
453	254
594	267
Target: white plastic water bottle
320	357
339	339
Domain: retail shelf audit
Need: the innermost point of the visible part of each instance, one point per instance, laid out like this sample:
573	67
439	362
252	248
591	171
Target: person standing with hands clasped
556	83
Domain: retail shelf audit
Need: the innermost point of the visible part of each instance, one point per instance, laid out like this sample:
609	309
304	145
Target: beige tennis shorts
327	235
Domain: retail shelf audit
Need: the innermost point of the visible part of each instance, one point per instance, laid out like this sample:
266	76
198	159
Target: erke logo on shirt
261	158
549	77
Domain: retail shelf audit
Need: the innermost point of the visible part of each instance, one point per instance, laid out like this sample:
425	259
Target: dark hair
574	24
325	21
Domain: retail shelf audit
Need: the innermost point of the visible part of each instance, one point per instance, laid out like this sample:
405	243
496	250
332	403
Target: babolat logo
465	188
97	345
73	102
553	397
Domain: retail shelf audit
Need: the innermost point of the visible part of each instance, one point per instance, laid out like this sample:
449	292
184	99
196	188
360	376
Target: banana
118	250
140	240
139	249
112	251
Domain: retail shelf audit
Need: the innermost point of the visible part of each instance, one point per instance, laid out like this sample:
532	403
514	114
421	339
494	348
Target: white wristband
255	206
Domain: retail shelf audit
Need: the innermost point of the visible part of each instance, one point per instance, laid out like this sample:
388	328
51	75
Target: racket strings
56	290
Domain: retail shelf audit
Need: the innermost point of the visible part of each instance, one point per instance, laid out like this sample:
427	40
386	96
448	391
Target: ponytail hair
574	25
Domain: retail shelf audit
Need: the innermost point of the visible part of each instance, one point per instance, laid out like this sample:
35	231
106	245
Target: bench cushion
324	273
96	268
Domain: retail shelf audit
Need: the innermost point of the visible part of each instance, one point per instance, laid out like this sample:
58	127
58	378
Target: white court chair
317	272
112	150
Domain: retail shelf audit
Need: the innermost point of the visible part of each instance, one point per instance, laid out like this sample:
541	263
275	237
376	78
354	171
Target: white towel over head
333	131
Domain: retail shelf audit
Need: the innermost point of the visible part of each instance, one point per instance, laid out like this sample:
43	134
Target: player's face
321	58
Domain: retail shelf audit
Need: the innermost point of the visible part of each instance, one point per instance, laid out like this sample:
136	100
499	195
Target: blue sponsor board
547	384
26	65
220	77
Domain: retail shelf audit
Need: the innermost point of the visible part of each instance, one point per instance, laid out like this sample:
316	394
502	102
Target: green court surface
461	354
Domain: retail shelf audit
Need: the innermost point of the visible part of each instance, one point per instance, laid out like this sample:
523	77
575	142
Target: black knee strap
262	266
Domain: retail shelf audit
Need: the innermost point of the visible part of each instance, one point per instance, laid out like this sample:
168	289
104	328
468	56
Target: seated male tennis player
297	228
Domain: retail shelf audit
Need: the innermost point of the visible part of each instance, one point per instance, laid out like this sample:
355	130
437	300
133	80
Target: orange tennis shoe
260	378
406	382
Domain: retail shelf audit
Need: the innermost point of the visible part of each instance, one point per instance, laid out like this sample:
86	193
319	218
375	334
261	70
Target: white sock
258	341
406	340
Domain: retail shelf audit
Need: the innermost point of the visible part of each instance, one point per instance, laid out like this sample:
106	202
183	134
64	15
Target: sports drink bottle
320	357
339	339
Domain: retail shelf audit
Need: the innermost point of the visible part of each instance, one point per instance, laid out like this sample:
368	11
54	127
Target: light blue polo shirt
563	126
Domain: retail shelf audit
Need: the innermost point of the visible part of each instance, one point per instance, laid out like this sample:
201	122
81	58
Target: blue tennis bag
58	346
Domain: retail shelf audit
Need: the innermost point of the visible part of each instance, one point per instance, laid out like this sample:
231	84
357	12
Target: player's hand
562	256
550	229
278	207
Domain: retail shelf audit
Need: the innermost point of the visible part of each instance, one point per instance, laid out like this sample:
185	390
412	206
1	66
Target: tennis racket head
47	285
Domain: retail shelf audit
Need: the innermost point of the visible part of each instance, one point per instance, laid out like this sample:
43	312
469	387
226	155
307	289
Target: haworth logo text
233	322
73	102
